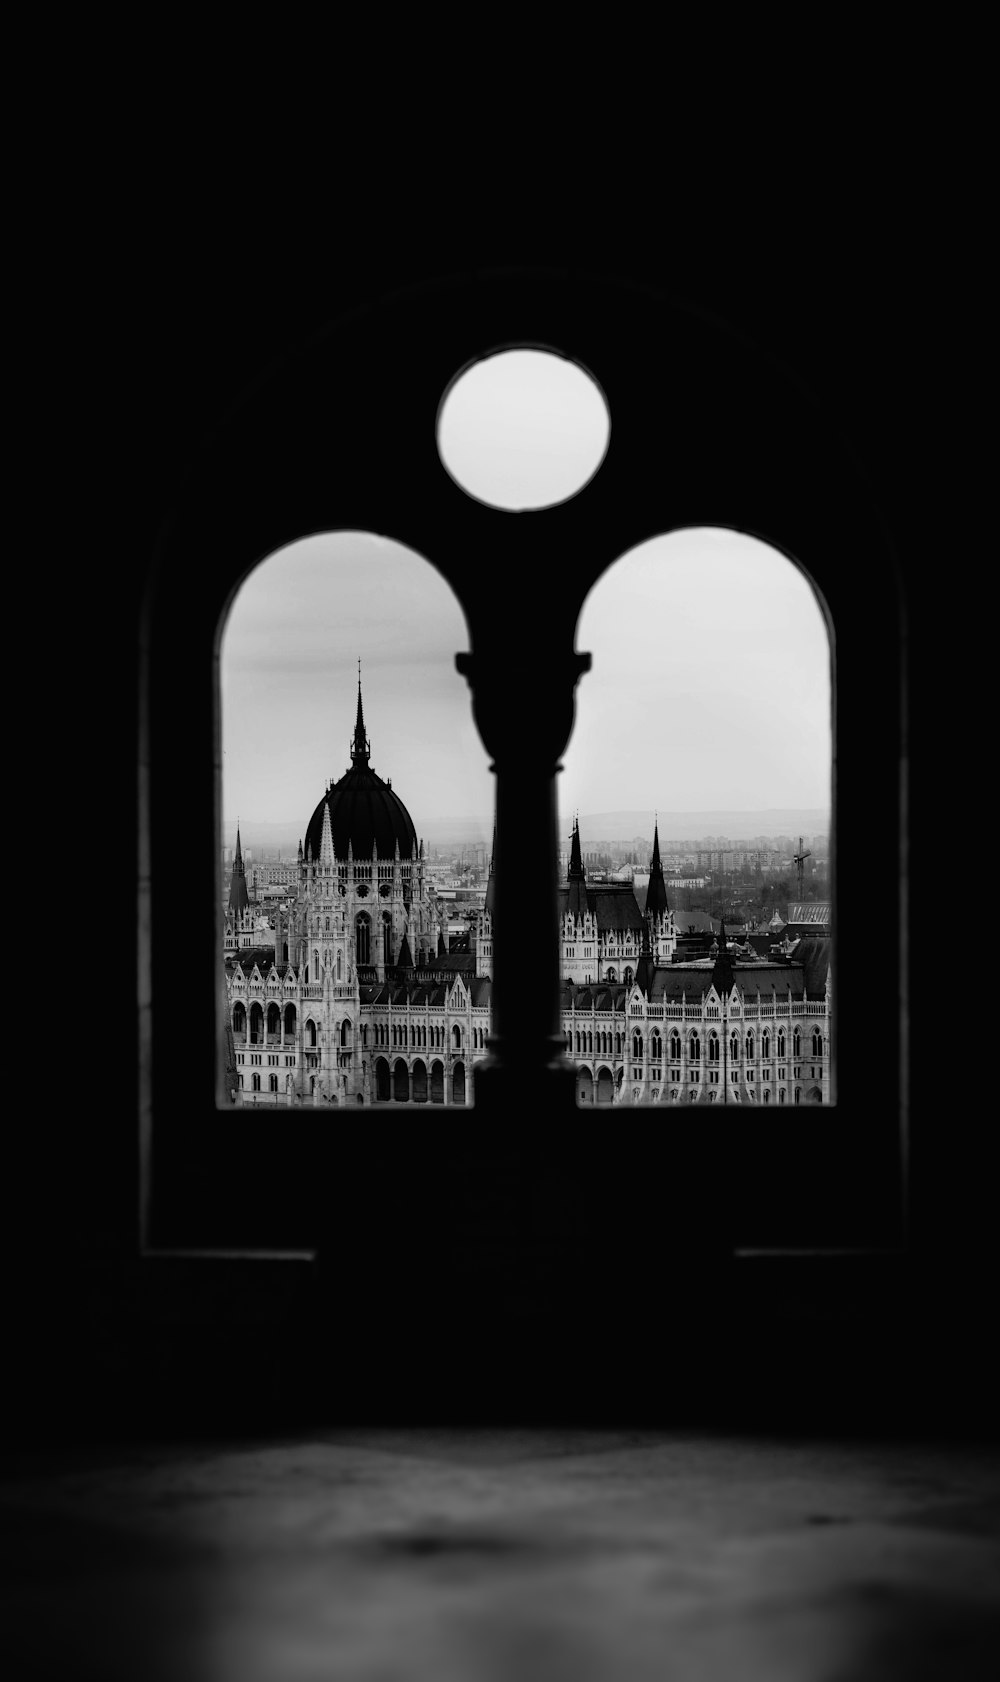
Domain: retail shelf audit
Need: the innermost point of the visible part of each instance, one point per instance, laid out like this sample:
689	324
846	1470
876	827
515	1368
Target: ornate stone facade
352	998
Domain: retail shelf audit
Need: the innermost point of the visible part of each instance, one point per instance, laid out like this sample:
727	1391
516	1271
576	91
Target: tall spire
577	898
360	746
576	872
656	893
239	897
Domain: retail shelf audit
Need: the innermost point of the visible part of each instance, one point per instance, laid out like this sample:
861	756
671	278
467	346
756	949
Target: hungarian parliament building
351	996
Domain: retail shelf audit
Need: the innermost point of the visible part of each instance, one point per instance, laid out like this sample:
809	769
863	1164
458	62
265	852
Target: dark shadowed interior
522	1390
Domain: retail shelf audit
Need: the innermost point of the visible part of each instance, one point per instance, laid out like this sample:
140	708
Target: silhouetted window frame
244	547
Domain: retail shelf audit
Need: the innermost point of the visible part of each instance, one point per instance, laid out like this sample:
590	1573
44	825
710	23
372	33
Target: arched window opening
713	1047
289	649
458	1083
726	590
694	1049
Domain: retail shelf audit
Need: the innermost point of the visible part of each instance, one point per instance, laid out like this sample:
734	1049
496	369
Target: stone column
525	1044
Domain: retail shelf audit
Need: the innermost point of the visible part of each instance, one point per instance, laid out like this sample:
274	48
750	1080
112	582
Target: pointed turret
576	902
239	897
326	853
360	746
404	961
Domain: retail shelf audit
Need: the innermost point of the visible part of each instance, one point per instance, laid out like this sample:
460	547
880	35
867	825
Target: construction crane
799	859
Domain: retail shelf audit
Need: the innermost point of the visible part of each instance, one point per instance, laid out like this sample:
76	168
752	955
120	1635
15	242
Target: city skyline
710	687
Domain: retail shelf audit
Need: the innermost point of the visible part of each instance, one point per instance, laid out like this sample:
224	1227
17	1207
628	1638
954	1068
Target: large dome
365	815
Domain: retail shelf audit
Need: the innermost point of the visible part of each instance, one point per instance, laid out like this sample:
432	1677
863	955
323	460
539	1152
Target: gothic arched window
694	1049
363	937
713	1047
734	1046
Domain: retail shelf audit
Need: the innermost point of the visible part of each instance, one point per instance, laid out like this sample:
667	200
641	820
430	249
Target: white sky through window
710	688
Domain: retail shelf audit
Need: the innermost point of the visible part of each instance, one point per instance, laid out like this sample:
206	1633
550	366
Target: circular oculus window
523	429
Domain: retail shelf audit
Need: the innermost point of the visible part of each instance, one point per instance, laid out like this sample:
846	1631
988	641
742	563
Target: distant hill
690	826
284	837
594	827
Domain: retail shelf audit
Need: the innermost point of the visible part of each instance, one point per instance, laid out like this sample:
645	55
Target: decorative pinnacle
360	747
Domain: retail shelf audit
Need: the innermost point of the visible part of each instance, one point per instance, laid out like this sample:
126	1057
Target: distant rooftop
809	911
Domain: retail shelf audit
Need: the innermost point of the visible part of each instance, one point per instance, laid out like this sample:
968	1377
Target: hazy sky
709	688
710	683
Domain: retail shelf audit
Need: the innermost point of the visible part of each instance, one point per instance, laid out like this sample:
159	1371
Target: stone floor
446	1554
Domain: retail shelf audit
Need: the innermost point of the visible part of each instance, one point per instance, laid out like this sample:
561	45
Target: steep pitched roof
613	907
670	981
